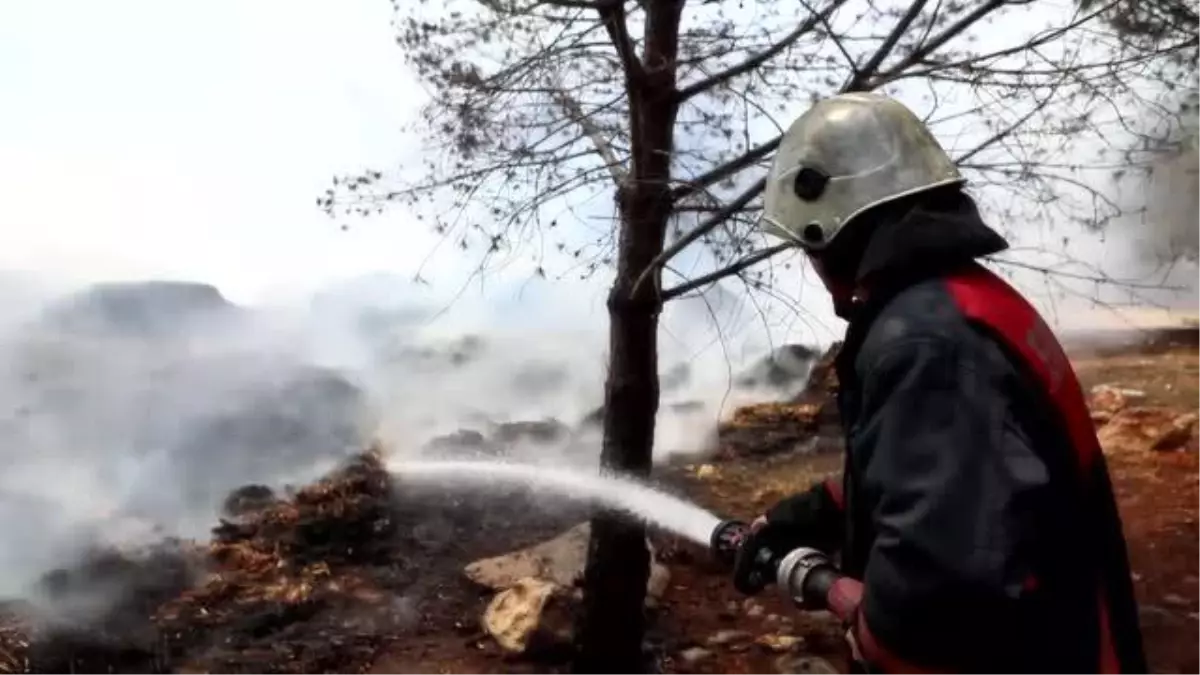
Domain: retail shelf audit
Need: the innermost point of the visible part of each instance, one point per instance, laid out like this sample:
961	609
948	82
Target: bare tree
634	138
1149	24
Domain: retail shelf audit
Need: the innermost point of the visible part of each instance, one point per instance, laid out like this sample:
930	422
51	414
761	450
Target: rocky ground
360	573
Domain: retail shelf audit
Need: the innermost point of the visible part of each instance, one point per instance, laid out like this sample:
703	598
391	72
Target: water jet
637	499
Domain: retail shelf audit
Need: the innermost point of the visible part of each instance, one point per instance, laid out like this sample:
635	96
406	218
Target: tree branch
612	13
862	76
968	62
567	4
760	58
837	41
496	6
719	173
861	79
755	154
712	277
954	30
713	221
1004	133
603	147
1091	278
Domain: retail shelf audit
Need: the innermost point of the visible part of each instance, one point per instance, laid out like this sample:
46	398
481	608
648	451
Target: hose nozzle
759	564
727	538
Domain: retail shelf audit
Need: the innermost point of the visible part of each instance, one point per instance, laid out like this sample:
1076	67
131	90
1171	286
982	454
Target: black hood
941	231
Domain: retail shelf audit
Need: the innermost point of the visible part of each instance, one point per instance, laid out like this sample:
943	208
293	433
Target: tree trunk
613	621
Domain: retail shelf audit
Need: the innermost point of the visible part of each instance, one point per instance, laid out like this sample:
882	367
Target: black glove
810	518
754	565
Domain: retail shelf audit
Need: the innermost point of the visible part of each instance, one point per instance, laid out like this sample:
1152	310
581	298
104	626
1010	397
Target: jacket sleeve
951	478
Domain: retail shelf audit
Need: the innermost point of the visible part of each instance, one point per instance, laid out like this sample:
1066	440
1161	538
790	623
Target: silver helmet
845	155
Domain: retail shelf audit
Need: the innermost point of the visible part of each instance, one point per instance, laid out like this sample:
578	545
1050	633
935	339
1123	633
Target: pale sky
190	140
149	138
143	138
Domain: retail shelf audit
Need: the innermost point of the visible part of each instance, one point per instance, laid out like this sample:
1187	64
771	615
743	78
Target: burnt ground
324	580
357	573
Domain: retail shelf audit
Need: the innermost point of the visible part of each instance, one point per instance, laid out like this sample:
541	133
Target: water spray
637	499
724	538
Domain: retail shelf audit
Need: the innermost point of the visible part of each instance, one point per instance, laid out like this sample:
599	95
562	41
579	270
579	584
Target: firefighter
974	525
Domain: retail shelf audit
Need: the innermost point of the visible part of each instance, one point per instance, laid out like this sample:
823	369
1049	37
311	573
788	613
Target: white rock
779	643
559	561
515	614
725	637
803	664
1175	599
694	655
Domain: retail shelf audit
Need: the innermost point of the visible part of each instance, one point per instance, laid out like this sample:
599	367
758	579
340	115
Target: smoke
1160	238
129	411
1171	231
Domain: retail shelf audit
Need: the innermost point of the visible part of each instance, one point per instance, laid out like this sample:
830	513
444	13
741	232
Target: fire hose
803	574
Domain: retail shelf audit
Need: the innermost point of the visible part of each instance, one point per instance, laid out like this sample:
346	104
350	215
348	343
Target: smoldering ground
129	411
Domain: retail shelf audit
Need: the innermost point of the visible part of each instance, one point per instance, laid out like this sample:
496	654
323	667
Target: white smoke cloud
120	430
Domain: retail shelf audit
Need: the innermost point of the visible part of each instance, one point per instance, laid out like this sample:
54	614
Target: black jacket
961	504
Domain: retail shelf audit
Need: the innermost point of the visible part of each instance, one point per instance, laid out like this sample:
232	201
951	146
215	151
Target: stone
542	432
559	561
660	578
247	500
752	609
1176	436
803	664
727	637
1107	398
694	655
1140	430
779	643
1146	609
464	442
518	618
768	496
1176	599
785	368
